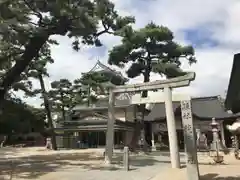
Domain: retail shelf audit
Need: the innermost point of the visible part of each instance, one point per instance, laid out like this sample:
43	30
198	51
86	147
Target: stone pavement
143	167
208	171
75	165
88	165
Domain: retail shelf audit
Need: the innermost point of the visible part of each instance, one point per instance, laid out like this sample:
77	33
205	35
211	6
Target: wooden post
110	129
189	140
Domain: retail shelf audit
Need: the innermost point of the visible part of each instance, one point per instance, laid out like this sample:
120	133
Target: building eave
232	101
202	107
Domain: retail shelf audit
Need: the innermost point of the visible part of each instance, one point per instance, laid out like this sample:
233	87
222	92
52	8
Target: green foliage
95	80
89	86
95	83
84	93
34	69
18	117
151	49
26	26
62	96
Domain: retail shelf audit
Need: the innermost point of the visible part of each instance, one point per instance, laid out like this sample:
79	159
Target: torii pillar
167	85
171	126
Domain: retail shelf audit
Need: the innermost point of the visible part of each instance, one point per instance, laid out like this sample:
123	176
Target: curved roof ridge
202	107
206	97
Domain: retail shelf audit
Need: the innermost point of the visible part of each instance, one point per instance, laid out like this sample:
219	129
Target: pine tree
150	49
26	25
37	70
62	96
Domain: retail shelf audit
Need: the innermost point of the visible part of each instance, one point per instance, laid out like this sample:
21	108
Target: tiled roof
94	119
103	104
203	107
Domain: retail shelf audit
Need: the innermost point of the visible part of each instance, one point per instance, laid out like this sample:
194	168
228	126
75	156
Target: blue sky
212	27
200	37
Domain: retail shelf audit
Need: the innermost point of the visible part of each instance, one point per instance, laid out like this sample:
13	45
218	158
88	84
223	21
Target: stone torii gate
189	131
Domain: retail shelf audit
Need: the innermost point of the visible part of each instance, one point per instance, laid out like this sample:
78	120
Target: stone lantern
216	147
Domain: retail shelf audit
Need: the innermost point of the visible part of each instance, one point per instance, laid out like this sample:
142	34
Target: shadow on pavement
34	166
214	176
164	153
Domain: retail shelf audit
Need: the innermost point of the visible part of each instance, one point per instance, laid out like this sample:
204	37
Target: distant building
204	109
87	125
232	102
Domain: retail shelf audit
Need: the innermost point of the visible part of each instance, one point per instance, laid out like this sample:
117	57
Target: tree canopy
17	117
26	25
151	49
61	96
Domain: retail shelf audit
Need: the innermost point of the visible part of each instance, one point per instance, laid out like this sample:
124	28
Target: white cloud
214	64
230	33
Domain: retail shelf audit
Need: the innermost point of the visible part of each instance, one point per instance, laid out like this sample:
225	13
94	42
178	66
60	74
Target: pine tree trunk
136	134
139	131
62	107
48	112
31	51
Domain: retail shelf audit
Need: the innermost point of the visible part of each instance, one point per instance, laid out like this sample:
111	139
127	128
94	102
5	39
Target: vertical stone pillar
126	158
198	133
222	134
189	140
171	126
215	126
110	129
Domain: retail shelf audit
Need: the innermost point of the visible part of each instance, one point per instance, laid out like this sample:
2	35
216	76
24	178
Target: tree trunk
31	51
89	96
139	131
48	111
62	107
136	135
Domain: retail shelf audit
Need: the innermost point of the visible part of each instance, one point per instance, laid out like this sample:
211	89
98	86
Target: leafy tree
91	85
95	83
84	92
18	117
26	25
62	96
37	69
150	49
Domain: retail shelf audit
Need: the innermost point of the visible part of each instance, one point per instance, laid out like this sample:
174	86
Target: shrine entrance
167	98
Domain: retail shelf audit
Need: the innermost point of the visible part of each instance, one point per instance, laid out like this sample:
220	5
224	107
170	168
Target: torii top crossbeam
159	84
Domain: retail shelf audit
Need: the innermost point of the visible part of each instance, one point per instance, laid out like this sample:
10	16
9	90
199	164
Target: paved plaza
29	163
